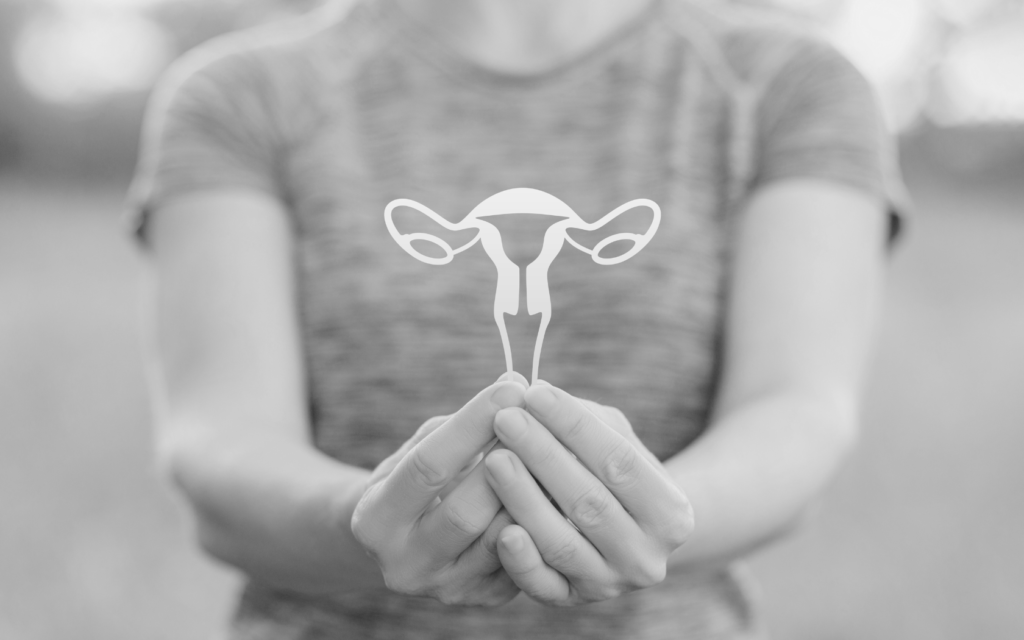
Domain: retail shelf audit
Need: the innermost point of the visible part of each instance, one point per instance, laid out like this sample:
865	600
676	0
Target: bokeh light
80	53
884	37
114	4
948	61
963	12
983	77
887	40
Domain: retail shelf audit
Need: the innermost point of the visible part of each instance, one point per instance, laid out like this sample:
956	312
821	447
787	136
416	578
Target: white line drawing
519	201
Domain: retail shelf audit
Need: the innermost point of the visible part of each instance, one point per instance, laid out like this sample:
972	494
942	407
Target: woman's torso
365	109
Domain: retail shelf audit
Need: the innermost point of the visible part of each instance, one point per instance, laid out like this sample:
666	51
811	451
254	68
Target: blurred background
920	536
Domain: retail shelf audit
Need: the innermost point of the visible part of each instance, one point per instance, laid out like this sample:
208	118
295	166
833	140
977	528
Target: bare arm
234	434
803	298
802	302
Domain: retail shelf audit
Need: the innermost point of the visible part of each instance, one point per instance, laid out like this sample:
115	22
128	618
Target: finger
582	497
650	496
482	555
388	465
466	470
618	422
480	562
424	430
461	517
526	568
427	428
492	590
480	565
516	377
430	465
559	543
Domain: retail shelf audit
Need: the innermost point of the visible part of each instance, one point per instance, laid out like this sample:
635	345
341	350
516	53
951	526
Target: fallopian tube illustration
522	201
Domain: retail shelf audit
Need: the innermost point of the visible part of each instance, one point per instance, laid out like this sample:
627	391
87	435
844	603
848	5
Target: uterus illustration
538	294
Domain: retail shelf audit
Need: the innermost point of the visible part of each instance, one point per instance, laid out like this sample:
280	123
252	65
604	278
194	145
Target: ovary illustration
522	201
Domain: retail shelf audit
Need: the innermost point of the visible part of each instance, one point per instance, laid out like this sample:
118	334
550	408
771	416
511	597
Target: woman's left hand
623	514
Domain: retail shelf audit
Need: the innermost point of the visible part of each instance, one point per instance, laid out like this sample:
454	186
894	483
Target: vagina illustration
522	201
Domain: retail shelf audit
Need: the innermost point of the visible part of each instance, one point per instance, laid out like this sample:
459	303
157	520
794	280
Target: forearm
278	510
750	476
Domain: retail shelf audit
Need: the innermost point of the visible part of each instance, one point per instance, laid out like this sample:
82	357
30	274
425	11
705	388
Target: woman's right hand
428	515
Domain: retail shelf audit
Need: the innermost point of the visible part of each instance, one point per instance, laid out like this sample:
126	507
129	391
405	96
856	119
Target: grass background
919	537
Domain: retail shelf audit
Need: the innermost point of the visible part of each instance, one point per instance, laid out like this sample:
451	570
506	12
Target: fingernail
510	423
512	542
508	395
500	466
541	398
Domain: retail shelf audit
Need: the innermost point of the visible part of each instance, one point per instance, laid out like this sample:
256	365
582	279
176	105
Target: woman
300	348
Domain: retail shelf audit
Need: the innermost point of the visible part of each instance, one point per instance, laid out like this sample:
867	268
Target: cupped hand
428	515
614	516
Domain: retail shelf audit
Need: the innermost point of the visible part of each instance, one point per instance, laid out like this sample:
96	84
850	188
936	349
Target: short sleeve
209	125
820	118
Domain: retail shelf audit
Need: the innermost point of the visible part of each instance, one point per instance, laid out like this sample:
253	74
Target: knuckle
488	553
455	518
428	426
593	407
489	540
562	553
363	526
619	421
605	592
677	533
577	425
648	572
425	473
679	524
449	596
611	416
591	509
361	530
587	591
548	454
547	594
404	582
622	466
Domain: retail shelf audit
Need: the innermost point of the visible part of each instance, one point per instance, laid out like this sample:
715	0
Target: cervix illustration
522	201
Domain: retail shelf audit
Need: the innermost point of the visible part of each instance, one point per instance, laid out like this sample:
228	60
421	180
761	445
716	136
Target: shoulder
273	58
748	46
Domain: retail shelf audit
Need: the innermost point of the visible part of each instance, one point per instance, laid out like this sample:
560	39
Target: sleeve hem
898	204
139	207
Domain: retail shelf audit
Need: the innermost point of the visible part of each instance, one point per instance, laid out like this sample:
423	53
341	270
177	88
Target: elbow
184	464
838	439
832	422
835	426
844	433
215	543
793	525
830	429
180	463
798	521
